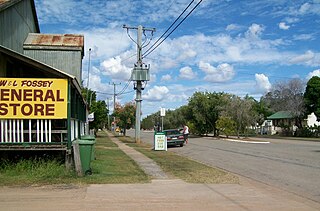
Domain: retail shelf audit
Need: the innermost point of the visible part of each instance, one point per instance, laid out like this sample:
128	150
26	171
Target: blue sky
239	47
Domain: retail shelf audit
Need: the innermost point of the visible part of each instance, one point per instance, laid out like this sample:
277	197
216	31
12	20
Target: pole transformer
140	73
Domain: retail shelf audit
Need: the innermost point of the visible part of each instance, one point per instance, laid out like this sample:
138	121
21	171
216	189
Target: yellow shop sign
33	98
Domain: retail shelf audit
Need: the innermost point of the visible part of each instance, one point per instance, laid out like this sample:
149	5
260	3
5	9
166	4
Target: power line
125	87
156	46
169	28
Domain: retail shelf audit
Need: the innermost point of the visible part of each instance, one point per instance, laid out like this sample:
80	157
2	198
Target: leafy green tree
147	123
174	118
99	108
241	112
199	106
226	125
262	111
205	109
125	115
312	96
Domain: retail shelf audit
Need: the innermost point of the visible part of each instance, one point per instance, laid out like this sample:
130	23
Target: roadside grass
33	171
111	166
183	168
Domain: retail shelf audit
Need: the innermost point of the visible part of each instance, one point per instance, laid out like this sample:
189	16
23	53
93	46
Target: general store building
41	106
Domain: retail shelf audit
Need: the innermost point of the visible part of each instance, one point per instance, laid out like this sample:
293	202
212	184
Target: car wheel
181	145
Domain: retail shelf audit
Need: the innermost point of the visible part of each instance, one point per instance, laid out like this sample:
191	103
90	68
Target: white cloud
283	26
218	48
232	27
262	83
166	77
254	31
304	37
307	57
313	73
187	53
96	84
115	69
304	8
153	78
72	12
292	19
187	73
106	42
309	8
157	93
224	72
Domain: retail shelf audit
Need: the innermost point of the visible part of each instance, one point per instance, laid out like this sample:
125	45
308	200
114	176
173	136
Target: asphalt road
291	165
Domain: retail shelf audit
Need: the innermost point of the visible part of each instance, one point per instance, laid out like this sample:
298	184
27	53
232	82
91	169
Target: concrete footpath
162	193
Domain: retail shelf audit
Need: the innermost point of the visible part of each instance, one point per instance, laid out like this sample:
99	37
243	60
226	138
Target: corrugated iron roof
35	63
7	3
281	115
62	40
4	4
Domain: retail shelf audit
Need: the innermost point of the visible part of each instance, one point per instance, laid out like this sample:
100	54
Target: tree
99	108
226	125
241	112
147	123
175	118
261	110
312	96
204	110
125	115
287	96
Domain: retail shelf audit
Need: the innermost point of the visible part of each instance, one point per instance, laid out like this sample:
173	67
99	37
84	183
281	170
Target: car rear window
172	132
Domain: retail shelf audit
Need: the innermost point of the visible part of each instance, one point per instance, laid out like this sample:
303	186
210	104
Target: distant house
277	122
280	120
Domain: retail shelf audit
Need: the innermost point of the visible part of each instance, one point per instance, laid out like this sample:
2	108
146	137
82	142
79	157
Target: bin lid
88	137
84	141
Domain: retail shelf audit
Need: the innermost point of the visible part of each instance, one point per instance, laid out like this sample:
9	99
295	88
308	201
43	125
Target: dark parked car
174	137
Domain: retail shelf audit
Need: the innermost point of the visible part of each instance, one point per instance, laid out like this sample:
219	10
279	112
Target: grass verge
183	168
111	166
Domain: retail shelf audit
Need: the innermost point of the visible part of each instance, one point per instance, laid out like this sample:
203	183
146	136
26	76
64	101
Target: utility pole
140	73
114	102
114	94
108	114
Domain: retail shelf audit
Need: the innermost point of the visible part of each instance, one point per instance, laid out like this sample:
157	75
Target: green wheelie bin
90	138
85	149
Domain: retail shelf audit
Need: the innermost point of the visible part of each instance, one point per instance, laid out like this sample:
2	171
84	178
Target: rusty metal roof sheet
37	64
7	3
63	40
4	4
